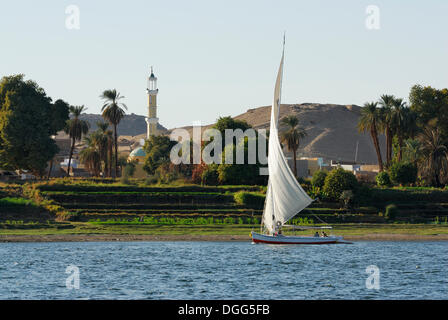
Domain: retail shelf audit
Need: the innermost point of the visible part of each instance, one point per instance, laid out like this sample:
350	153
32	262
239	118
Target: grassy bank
88	231
88	208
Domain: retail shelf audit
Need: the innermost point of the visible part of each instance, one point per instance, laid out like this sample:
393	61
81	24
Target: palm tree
412	152
103	145
435	154
113	112
370	117
386	102
292	136
90	156
75	128
400	121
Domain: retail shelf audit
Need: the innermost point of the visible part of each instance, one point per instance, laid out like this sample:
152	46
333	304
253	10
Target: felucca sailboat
284	196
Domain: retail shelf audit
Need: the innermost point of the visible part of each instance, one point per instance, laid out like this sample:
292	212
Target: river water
223	270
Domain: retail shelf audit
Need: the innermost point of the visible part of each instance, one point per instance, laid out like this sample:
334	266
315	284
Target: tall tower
152	119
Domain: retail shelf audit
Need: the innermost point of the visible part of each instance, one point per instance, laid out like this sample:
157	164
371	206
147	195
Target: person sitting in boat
316	234
324	234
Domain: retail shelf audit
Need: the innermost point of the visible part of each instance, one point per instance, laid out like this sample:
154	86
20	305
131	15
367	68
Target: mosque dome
137	154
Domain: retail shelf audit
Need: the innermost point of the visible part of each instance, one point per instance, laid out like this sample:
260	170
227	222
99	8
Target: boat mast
276	105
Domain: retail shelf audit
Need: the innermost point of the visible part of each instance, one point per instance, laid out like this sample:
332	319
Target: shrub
318	180
403	173
238	174
249	199
167	173
338	181
383	179
391	212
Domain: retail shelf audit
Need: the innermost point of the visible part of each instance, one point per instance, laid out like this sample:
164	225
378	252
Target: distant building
306	166
60	160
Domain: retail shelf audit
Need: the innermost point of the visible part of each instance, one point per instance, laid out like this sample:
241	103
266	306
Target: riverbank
90	232
219	238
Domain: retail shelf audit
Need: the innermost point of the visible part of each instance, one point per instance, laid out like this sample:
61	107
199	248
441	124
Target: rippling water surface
223	270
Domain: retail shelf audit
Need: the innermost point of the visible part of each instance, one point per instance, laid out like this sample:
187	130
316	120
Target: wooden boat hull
281	239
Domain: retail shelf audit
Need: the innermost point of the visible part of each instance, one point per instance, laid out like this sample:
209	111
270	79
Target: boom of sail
284	197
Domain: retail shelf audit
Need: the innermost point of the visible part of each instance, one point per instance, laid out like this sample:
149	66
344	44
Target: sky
220	58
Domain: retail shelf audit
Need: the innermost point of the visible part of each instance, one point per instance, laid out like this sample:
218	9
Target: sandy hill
332	130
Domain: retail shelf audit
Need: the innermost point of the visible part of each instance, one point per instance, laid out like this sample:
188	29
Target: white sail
284	197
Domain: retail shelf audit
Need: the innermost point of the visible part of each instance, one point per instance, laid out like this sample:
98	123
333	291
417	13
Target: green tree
431	105
75	128
224	123
403	173
158	149
370	117
60	111
337	181
237	173
292	136
318	180
27	121
113	112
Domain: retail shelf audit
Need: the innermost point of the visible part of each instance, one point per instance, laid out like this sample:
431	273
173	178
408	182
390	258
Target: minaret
152	119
